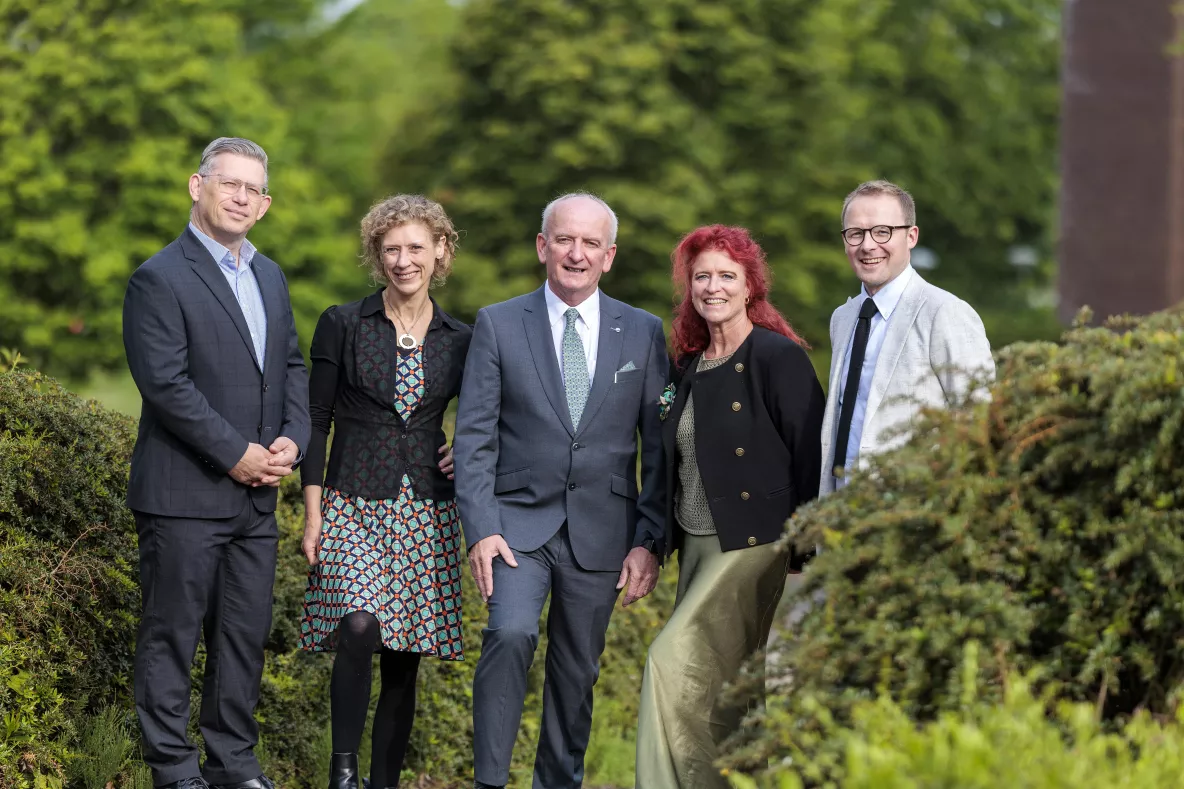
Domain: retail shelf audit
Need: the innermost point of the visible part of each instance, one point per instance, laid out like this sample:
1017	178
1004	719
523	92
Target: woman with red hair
742	428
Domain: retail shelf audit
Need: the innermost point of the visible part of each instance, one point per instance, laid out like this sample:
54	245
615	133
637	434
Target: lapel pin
616	328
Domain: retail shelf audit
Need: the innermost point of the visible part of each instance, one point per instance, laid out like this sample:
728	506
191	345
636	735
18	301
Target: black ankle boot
343	771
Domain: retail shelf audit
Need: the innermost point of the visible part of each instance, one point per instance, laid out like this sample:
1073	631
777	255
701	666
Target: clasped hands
262	465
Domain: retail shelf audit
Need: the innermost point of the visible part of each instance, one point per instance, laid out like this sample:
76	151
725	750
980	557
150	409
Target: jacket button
265	387
739	367
572	486
744	495
739	452
575	446
735	406
752	540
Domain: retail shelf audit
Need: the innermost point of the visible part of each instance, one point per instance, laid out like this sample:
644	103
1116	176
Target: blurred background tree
679	112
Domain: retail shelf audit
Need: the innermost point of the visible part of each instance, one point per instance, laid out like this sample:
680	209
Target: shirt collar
373	305
246	252
889	296
589	308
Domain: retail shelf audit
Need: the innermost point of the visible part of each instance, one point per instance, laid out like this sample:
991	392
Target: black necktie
863	328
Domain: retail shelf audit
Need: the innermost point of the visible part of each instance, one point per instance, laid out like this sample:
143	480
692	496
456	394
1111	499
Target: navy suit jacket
204	396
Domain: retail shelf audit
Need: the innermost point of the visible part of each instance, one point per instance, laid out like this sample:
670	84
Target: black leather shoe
343	771
187	783
262	782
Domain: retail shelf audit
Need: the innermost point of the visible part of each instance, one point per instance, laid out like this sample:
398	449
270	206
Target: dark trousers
581	604
211	576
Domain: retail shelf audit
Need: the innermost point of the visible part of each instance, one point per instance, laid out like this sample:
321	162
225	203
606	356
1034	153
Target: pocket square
628	367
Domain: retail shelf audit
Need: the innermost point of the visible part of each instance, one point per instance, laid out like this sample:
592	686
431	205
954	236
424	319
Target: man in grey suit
558	384
211	344
899	345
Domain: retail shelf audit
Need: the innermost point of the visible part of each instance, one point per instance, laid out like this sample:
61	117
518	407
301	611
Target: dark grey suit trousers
216	576
581	604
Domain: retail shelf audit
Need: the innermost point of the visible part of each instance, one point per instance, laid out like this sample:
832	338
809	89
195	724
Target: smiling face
223	215
876	264
575	248
719	290
409	256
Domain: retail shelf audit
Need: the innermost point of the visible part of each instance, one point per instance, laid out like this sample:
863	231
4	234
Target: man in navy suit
211	344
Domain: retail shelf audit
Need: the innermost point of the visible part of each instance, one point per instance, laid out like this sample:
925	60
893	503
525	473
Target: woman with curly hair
381	532
742	431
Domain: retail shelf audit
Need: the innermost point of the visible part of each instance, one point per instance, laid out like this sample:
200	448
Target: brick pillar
1122	158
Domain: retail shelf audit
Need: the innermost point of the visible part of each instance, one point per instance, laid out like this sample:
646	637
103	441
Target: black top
354	362
758	437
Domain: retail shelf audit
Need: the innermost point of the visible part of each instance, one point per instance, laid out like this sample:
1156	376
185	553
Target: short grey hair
874	188
550	210
239	146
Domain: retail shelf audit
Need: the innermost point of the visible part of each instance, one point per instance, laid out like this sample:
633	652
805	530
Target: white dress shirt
886	300
587	326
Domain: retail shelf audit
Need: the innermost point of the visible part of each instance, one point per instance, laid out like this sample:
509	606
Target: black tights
358	636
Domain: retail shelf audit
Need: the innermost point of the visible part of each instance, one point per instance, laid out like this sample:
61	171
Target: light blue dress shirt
244	286
886	301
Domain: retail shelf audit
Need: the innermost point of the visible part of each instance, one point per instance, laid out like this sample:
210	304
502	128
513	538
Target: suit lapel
899	326
207	268
542	348
608	354
271	289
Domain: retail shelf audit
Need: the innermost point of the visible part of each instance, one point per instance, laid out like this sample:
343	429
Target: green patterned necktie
575	368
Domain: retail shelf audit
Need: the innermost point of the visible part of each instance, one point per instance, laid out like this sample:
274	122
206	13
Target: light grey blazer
522	468
934	347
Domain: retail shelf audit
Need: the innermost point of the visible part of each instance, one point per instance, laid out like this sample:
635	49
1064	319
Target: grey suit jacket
522	468
204	396
934	348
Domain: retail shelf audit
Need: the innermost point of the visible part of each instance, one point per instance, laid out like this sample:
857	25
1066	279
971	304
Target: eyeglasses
230	186
881	234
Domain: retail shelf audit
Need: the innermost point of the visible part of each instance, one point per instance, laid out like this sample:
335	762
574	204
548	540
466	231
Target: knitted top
690	499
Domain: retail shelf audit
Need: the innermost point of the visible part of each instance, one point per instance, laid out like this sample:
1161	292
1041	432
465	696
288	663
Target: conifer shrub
68	594
1024	742
1046	525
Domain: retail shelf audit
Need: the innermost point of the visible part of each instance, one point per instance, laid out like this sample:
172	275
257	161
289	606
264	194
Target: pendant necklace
406	340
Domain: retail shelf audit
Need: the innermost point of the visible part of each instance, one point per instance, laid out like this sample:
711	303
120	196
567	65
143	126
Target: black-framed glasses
881	234
230	186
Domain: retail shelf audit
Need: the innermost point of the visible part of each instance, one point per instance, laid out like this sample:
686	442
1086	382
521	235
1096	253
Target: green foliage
106	107
105	748
1020	744
67	571
1045	525
763	113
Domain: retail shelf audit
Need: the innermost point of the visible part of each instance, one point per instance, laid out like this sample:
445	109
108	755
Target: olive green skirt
722	615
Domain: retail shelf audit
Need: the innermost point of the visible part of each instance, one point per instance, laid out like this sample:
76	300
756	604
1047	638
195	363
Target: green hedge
1024	743
1046	525
67	572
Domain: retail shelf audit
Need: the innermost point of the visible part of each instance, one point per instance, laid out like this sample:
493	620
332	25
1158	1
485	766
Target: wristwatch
651	545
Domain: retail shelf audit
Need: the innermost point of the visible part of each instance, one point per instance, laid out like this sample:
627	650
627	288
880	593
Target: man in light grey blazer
558	385
898	346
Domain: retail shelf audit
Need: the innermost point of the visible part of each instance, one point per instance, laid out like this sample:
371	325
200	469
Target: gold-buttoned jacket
758	429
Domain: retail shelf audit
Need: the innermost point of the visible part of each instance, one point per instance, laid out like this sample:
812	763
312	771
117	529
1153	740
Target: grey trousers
581	604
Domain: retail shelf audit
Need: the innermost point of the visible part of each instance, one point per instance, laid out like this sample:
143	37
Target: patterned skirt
398	559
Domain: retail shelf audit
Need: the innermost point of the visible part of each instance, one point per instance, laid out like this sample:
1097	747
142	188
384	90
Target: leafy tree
106	106
758	112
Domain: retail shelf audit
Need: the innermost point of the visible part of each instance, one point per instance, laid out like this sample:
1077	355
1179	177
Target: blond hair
402	210
874	188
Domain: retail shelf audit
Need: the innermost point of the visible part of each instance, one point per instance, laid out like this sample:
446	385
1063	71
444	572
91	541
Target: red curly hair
690	330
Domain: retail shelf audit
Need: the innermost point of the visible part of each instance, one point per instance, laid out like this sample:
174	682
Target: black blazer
353	386
204	398
758	437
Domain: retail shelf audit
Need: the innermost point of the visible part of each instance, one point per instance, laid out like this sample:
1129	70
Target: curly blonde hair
401	210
